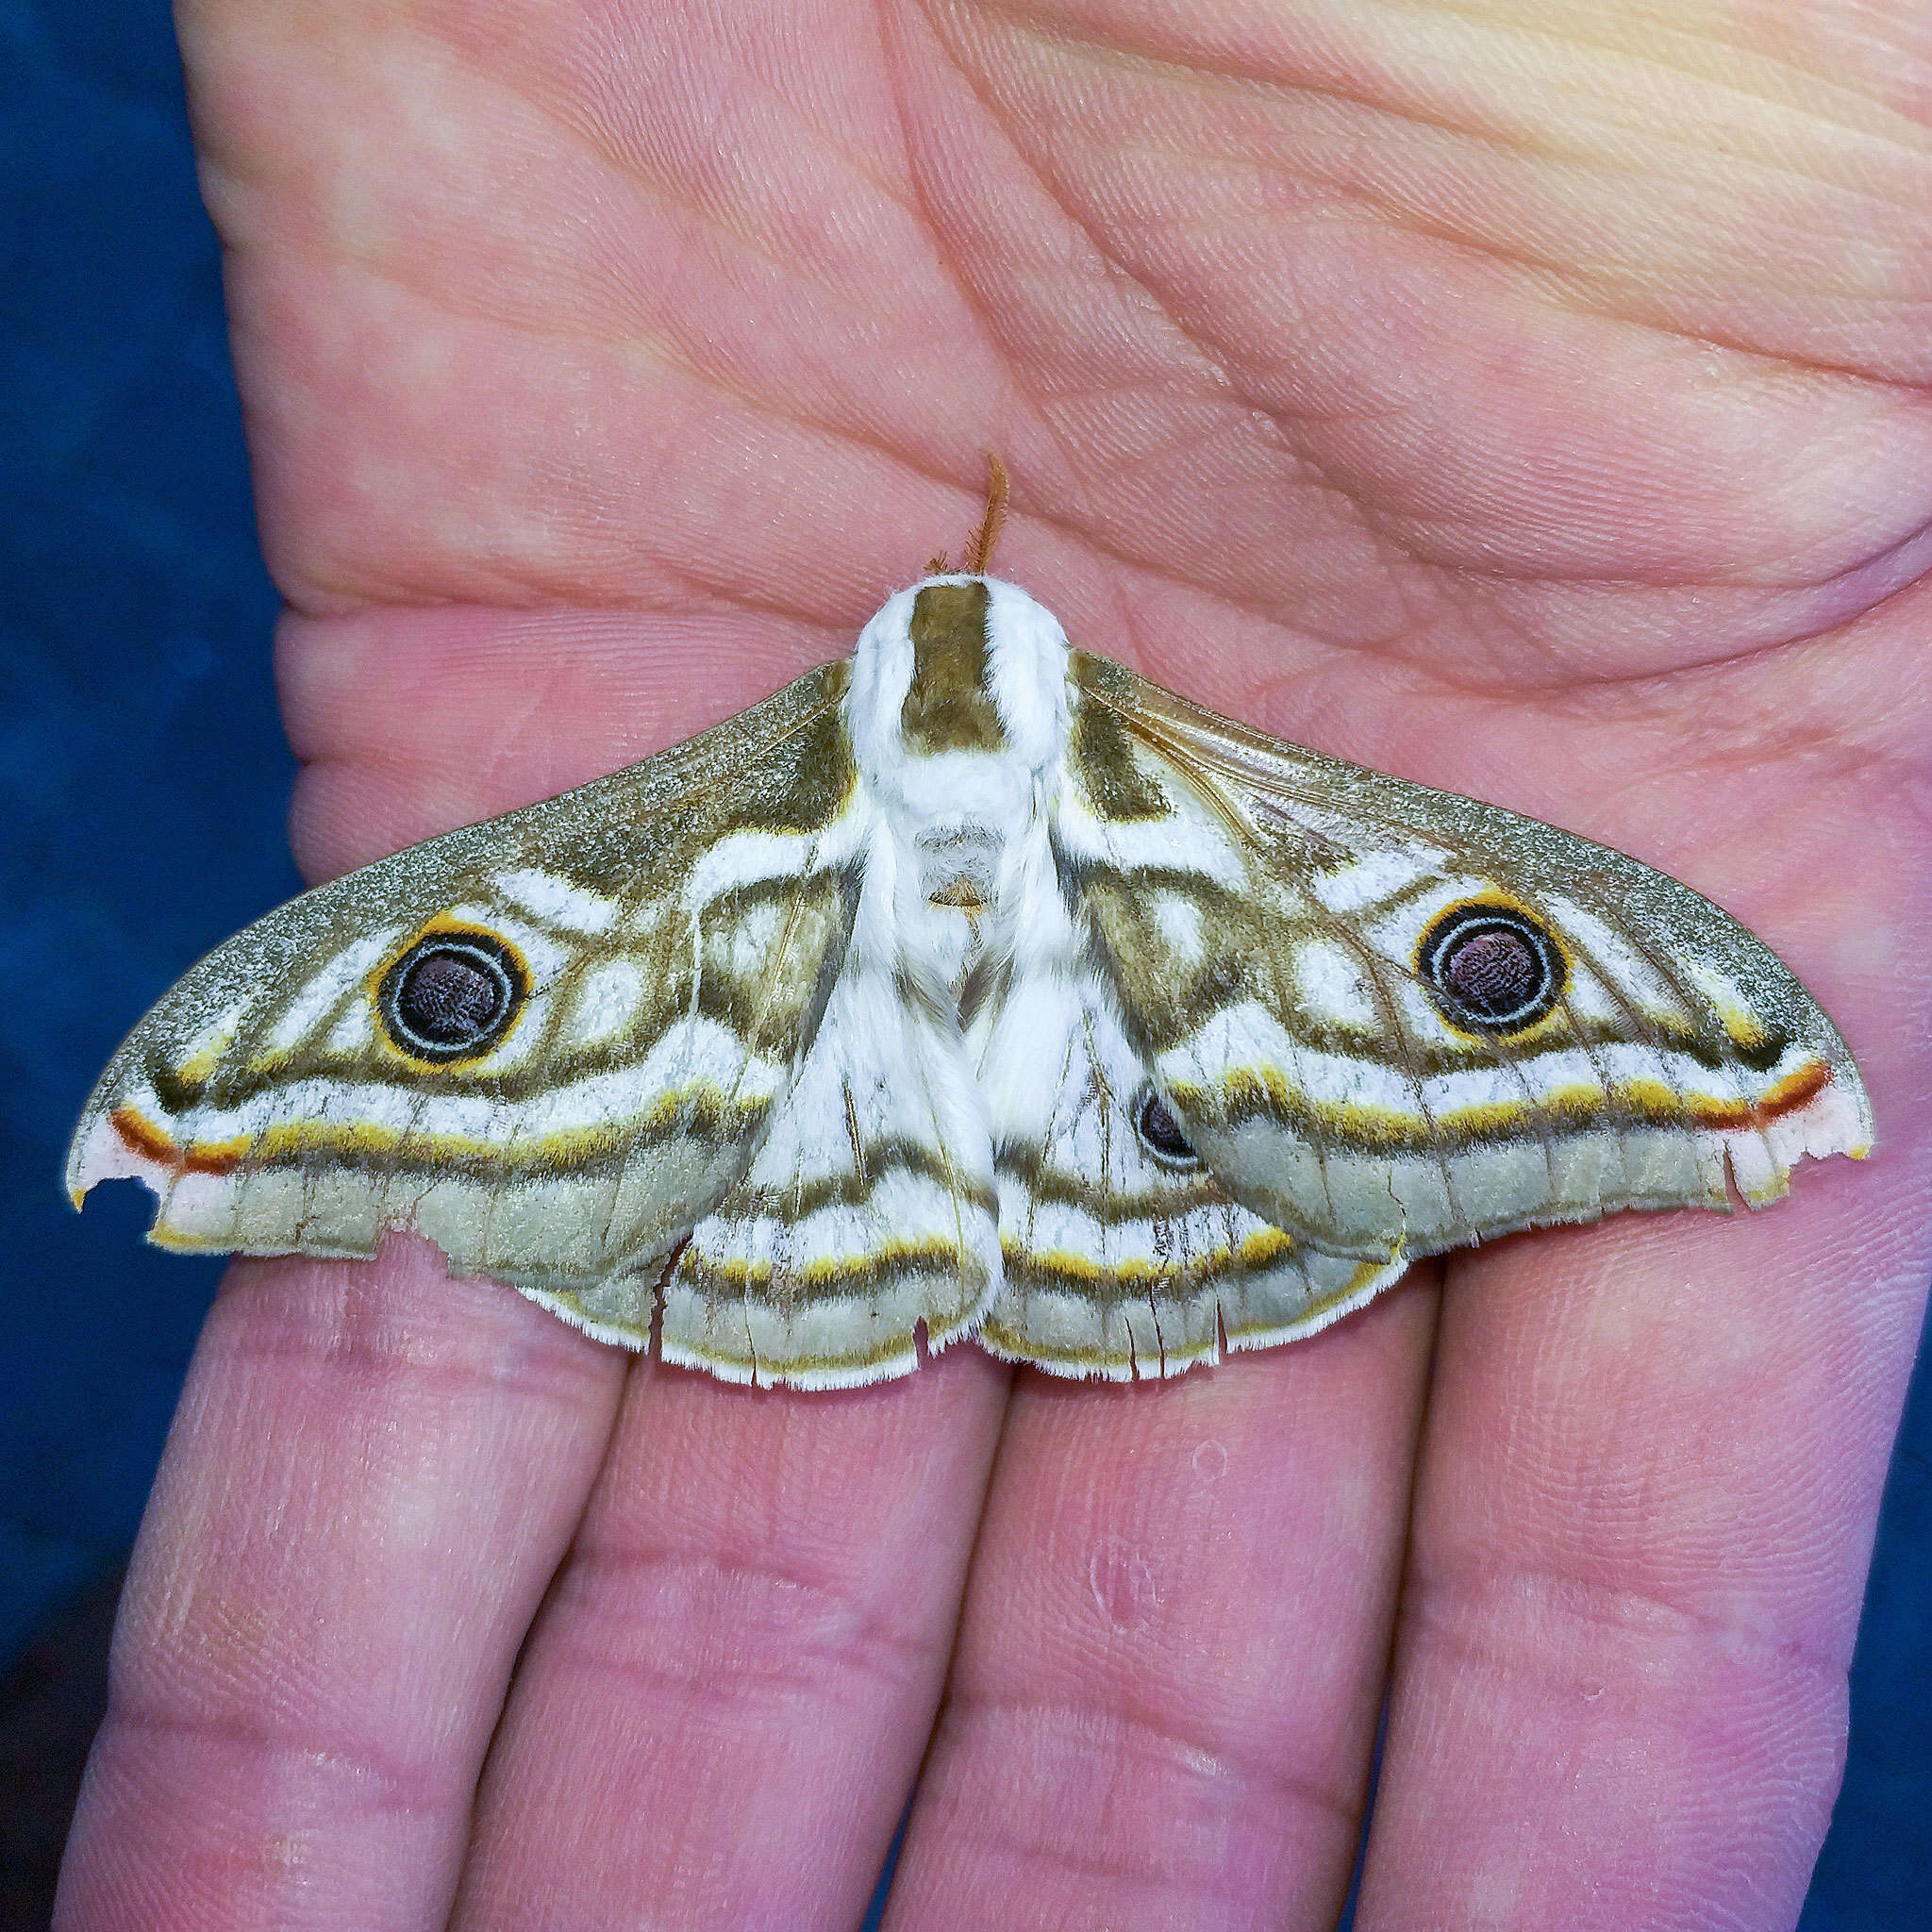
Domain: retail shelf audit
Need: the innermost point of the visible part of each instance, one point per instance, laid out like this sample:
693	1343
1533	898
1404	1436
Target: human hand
1527	409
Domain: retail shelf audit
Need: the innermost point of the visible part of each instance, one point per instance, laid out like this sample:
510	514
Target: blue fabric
143	780
144	775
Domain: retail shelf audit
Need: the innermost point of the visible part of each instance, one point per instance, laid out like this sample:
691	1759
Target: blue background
143	782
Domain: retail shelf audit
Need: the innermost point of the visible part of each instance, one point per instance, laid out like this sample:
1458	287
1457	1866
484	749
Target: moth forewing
279	1099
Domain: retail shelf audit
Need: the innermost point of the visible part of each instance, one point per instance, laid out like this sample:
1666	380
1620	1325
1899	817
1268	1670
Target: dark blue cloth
145	780
143	775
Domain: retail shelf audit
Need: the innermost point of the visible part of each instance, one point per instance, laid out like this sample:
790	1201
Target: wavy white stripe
343	972
692	1052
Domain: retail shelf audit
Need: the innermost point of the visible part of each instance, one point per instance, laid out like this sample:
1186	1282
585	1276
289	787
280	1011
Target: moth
974	985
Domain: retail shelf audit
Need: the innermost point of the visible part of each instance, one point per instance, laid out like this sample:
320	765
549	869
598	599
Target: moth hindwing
970	986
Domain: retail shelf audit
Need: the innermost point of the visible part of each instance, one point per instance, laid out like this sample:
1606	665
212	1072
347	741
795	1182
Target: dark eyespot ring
1160	1133
1491	968
452	995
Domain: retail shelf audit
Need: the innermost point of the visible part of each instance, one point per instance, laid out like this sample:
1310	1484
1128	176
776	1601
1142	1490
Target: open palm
1529	402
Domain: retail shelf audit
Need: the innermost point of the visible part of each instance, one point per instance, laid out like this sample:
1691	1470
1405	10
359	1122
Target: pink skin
1528	401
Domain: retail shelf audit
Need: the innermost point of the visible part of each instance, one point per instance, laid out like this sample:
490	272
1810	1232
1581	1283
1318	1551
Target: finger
373	1475
1645	1505
410	722
1171	1664
723	1707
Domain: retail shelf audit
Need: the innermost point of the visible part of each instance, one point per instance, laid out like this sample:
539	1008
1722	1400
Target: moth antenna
979	552
936	564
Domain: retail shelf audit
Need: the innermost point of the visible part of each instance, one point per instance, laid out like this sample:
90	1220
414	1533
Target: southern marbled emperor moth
973	982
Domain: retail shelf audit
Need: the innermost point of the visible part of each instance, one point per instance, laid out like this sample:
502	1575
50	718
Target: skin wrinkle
1461	572
1123	1737
1222	1873
376	1368
1534	140
1721	75
774	1657
317	599
1825	758
1161	58
956	280
365	1347
1334	497
361	735
374	1784
1547	267
1656	699
1742	578
1654	696
1128	625
1150	573
540	585
1445	1601
1168	309
604	138
1831	753
1128	637
963	289
405	272
1397	552
594	663
1334	494
413	283
1546	275
748	1554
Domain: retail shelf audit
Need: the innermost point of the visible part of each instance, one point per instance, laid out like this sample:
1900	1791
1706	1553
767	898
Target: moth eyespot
452	995
1160	1133
1491	968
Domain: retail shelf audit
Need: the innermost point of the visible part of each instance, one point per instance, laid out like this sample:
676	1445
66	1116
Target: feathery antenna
979	551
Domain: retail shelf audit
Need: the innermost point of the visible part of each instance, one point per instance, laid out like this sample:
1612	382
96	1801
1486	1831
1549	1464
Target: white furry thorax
964	801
